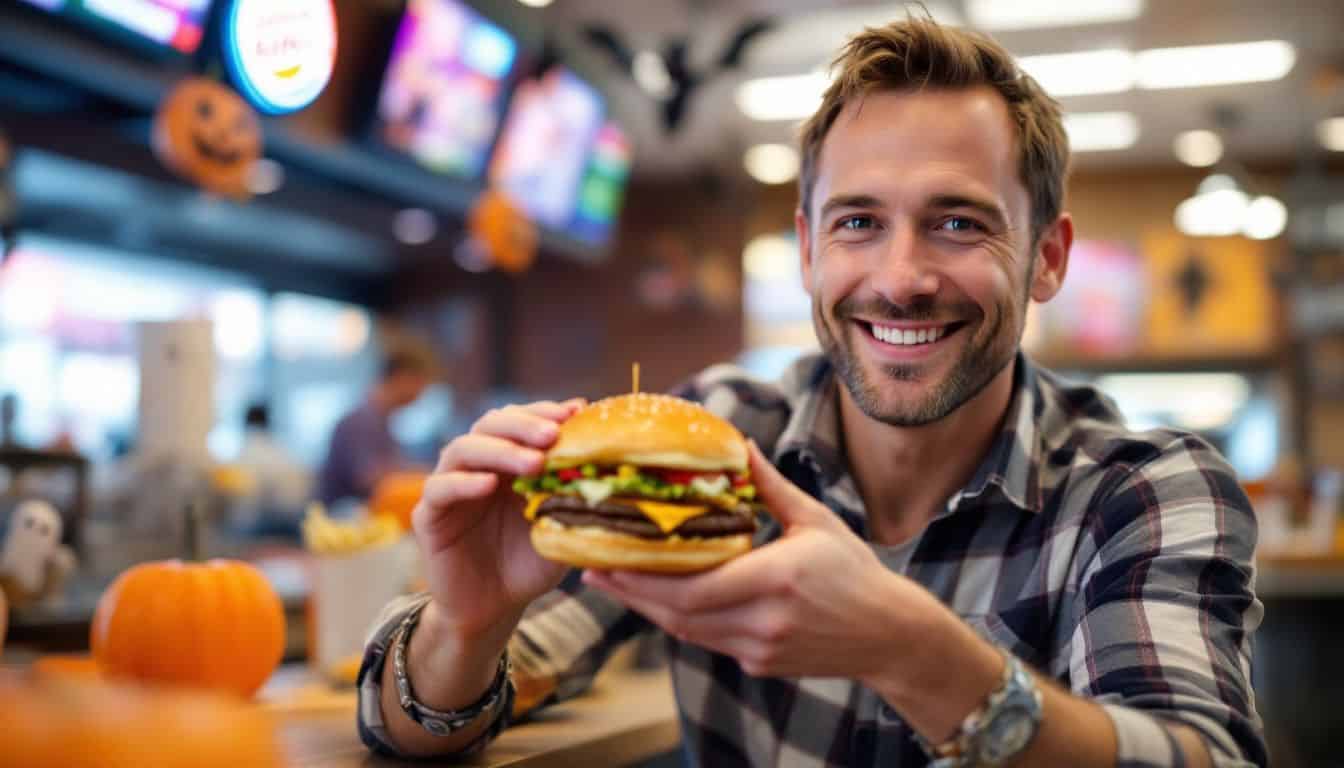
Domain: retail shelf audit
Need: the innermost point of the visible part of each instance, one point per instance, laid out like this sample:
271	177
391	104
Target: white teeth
903	338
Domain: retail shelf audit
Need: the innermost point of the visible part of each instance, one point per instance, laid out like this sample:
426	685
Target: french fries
325	536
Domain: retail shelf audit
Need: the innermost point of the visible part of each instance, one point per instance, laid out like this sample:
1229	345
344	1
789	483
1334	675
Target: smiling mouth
211	152
910	337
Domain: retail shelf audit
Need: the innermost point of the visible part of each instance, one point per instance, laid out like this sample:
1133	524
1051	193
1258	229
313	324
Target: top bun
649	430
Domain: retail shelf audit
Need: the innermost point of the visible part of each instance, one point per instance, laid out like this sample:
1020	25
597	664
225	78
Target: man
362	449
972	562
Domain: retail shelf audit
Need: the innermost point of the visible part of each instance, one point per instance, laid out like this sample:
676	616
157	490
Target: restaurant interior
218	218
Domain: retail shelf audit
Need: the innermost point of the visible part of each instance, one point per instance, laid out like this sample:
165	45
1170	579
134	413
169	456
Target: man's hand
480	565
817	602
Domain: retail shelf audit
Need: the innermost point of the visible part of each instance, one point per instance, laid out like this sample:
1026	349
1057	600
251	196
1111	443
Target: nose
904	269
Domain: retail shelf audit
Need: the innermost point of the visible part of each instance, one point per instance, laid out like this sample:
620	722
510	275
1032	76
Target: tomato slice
676	476
741	480
569	475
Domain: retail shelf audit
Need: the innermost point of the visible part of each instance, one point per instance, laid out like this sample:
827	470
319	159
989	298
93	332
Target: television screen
603	186
544	151
175	24
441	96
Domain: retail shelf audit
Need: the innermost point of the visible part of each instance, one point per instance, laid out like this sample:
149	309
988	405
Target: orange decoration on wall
217	625
206	133
501	228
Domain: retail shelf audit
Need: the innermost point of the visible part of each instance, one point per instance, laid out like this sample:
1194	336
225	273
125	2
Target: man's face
917	250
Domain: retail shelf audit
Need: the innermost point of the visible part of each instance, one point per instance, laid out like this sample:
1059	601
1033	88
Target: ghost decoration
34	563
206	133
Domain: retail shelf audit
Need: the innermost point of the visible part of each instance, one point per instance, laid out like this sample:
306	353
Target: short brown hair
921	53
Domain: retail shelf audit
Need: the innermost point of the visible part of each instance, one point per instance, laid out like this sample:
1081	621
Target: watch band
975	743
496	699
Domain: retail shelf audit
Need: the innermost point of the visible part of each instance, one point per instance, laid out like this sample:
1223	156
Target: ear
804	234
1052	258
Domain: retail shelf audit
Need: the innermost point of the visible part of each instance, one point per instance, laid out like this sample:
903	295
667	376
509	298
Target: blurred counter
629	717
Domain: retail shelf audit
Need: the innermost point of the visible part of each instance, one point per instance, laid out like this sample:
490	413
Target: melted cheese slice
666	516
533	501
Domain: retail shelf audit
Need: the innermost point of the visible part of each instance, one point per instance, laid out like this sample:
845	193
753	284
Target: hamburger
642	482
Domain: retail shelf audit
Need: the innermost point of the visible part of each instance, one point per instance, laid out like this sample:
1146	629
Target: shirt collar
811	442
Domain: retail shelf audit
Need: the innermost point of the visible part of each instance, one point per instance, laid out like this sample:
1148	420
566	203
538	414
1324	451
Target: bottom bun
586	546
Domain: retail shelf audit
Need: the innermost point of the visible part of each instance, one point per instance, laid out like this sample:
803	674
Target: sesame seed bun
649	430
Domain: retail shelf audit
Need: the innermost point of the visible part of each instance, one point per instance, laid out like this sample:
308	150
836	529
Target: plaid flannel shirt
1117	563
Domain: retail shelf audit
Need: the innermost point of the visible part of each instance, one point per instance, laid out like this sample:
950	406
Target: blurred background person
278	484
362	449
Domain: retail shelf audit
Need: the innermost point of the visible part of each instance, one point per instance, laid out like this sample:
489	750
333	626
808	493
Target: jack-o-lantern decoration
208	134
216	625
504	231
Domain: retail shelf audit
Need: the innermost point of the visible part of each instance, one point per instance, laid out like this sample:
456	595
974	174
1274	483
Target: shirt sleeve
1168	607
556	651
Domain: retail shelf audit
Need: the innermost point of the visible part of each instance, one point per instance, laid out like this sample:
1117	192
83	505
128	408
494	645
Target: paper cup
348	593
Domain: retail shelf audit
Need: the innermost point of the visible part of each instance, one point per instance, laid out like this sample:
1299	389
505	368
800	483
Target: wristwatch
1000	729
496	699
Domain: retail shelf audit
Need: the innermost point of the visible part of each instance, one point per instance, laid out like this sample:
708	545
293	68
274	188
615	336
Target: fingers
486	453
785	501
735	582
537	428
746	633
452	487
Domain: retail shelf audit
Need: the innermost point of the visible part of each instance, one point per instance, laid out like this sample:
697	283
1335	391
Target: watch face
1008	734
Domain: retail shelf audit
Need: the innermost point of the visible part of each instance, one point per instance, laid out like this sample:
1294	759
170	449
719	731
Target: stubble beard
983	358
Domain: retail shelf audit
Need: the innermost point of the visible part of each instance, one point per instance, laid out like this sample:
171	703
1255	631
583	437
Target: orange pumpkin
207	133
216	625
46	722
67	665
396	495
508	236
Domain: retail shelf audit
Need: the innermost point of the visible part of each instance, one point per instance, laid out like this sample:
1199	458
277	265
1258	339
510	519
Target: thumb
785	501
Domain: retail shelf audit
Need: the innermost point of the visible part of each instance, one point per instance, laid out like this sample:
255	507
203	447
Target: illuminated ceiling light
265	177
651	73
772	163
1201	65
791	97
1199	148
811	36
536	3
1217	209
1035	14
1330	131
414	226
770	257
1072	74
1265	218
1101	131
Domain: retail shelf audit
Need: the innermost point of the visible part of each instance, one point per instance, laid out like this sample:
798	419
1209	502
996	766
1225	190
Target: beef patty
626	518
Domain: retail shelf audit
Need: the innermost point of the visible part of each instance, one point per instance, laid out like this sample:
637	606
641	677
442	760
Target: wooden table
627	717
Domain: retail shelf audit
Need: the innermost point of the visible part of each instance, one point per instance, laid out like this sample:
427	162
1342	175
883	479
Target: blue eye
960	224
855	222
